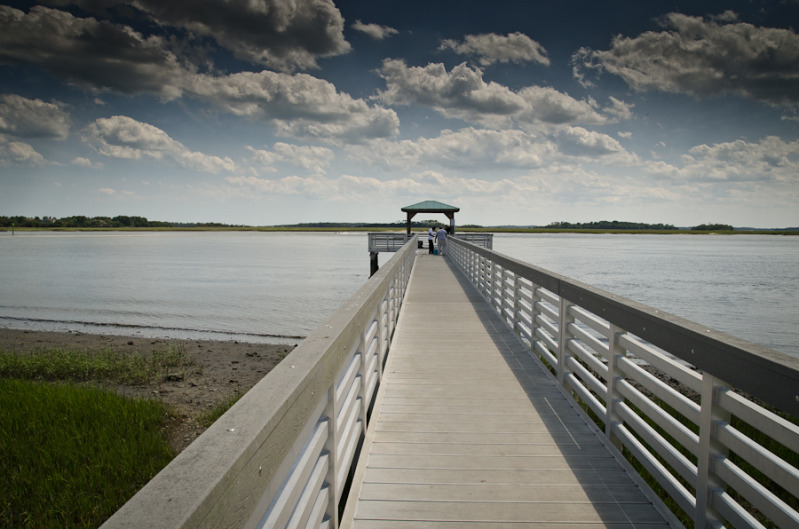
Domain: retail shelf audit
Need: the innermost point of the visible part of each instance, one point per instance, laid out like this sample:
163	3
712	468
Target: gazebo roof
430	206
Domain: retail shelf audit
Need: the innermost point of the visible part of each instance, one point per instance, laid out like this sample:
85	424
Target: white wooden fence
281	456
668	392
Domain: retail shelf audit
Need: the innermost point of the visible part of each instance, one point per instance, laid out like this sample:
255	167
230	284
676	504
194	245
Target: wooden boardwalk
471	432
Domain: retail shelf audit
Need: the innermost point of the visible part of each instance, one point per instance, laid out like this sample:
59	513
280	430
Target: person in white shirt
430	237
441	235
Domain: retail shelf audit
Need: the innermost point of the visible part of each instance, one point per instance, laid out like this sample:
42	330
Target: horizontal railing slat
611	353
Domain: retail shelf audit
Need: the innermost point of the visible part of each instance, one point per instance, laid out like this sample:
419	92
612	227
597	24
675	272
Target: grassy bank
74	453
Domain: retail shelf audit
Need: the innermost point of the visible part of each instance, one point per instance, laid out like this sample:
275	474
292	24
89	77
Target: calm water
278	286
215	285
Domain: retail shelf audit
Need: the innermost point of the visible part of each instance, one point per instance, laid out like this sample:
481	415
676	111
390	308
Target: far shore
415	229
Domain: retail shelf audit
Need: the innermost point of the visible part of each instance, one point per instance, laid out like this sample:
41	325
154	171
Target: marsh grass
72	455
81	365
73	452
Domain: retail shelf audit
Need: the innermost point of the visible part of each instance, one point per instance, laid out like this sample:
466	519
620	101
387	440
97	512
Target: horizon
251	113
395	223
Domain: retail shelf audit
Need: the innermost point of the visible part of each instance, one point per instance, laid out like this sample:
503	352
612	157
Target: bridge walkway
471	432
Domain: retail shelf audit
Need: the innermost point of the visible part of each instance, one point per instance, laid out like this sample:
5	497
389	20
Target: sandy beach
221	369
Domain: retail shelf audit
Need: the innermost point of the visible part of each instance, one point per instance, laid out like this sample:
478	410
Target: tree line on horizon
124	221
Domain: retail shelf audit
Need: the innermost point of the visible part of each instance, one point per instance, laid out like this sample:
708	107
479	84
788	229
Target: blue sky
264	112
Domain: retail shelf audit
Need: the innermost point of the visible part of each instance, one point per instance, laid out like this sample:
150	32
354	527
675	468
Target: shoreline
223	369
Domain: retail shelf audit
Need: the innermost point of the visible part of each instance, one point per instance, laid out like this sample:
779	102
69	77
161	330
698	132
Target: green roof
430	206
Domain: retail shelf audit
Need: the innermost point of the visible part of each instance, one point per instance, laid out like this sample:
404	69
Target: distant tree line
124	221
395	224
609	225
80	221
713	227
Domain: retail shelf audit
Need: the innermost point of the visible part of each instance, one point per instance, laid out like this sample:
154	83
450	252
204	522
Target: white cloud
125	138
375	31
279	34
90	52
32	118
80	161
462	93
704	58
104	56
772	159
459	93
577	141
490	48
548	105
476	150
300	105
19	153
314	159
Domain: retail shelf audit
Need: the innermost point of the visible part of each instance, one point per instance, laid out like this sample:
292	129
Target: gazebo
432	206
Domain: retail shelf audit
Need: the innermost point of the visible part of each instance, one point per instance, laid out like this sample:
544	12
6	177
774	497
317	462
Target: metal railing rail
393	241
666	391
282	455
486	240
388	241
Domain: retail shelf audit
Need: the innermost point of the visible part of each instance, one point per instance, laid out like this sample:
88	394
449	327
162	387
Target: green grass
80	365
72	455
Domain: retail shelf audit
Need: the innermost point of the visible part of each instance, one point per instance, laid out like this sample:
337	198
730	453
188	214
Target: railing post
331	446
564	319
613	397
709	450
517	303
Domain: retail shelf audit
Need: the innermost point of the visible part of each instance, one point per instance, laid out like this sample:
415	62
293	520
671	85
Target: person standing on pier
430	237
441	235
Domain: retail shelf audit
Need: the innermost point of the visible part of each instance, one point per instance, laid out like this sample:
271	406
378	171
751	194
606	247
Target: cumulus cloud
32	118
126	138
17	152
300	105
770	159
545	104
313	158
577	141
89	52
704	58
104	56
458	93
375	31
490	48
81	161
349	188
471	149
275	33
462	93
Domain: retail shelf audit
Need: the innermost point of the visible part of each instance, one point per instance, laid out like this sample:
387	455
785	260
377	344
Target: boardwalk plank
471	432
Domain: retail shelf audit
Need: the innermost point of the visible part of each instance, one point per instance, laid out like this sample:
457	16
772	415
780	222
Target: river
278	286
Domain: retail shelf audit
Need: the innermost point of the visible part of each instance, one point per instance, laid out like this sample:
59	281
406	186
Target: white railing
393	241
667	392
486	240
388	241
282	455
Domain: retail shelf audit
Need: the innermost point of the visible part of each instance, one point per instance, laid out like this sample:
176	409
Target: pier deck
471	432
